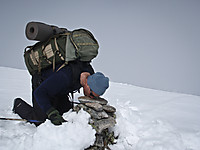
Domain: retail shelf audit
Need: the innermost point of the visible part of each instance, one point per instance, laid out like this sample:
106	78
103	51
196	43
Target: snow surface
146	119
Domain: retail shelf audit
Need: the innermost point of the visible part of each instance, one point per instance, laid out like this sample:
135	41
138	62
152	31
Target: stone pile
102	119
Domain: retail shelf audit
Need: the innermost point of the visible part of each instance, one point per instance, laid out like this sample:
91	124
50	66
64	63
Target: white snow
146	119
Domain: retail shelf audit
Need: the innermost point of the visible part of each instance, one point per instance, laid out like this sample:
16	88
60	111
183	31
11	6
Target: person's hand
83	78
55	117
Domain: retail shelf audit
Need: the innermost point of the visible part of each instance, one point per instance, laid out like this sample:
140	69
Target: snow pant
28	112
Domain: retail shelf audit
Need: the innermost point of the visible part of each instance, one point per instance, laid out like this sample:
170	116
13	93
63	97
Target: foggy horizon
152	44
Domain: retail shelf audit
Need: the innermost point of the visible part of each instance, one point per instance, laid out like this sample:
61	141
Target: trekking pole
15	119
77	103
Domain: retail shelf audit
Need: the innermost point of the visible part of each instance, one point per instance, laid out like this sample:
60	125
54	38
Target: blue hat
98	83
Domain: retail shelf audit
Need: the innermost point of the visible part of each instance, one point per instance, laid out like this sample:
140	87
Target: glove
55	117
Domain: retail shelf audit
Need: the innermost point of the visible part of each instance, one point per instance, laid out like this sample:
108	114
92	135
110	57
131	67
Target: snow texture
146	119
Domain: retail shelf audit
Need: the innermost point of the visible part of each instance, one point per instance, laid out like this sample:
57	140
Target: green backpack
76	45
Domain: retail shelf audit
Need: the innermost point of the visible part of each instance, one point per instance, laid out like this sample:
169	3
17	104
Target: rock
109	108
76	108
103	124
102	118
99	141
102	115
86	99
95	106
91	121
94	114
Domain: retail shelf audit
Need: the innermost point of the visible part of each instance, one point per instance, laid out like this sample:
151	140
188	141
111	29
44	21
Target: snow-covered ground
146	119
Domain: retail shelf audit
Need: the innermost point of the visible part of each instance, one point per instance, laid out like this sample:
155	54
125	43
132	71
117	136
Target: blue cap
98	83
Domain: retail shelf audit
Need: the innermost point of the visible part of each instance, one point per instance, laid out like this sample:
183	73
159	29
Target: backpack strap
56	52
63	65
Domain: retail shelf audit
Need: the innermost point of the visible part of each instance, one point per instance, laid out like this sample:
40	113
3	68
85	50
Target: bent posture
50	91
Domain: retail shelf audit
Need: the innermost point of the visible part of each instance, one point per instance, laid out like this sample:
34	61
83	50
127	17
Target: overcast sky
148	43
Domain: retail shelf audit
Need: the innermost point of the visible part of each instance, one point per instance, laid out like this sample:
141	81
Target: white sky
149	43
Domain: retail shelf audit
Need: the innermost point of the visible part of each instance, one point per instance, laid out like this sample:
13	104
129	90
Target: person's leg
23	109
62	104
26	111
53	87
37	111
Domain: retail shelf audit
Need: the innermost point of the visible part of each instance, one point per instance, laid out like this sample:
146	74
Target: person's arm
83	78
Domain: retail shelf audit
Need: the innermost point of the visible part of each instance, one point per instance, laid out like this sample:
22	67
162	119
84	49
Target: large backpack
62	48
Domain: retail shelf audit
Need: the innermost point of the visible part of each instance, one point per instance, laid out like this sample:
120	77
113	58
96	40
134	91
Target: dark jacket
59	84
51	89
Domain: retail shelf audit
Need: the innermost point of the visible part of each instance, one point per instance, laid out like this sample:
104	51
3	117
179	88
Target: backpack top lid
81	45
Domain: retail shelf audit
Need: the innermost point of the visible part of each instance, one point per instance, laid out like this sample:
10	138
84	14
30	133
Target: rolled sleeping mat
41	32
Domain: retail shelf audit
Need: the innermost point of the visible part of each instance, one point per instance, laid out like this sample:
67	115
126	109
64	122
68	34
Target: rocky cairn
102	119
